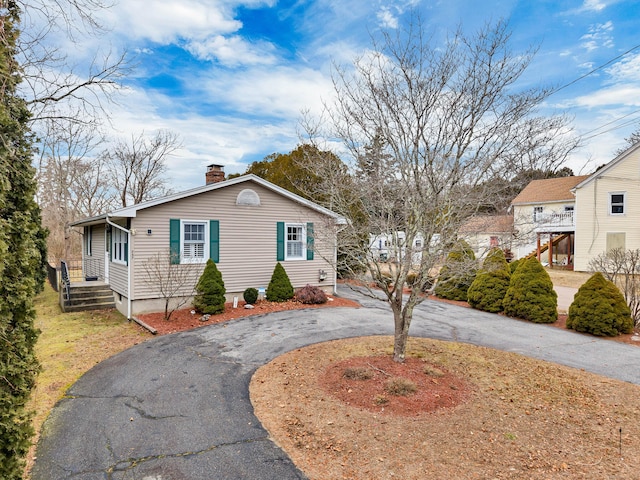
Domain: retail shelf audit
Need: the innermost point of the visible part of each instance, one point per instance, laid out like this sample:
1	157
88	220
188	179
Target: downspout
129	262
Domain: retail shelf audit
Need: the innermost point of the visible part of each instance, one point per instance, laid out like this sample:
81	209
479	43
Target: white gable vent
248	197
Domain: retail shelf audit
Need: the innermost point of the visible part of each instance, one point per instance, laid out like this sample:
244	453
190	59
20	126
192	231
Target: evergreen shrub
250	295
599	308
457	274
530	295
513	266
210	290
279	288
311	295
490	285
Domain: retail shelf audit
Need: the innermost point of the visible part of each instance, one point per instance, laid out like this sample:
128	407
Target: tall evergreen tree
21	255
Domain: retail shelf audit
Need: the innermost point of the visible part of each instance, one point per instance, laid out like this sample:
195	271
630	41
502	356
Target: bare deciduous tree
137	168
425	126
622	267
174	282
71	181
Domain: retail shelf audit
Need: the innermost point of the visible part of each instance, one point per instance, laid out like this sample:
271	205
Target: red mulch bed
188	318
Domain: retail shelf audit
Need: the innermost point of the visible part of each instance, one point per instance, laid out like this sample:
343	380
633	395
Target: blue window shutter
214	240
174	241
310	241
280	242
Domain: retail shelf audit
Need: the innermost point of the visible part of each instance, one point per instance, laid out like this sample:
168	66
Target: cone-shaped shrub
210	290
513	266
457	274
279	288
495	260
530	295
490	285
599	308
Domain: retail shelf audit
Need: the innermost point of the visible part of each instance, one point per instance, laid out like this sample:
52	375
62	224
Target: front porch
559	248
81	288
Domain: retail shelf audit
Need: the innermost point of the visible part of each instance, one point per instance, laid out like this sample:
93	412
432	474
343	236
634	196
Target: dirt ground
476	413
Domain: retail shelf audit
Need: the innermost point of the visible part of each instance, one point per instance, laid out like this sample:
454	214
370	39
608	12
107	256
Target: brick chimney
215	173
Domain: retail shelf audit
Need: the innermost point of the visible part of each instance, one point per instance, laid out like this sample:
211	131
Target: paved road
177	407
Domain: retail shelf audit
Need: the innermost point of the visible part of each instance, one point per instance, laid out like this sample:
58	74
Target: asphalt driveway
177	407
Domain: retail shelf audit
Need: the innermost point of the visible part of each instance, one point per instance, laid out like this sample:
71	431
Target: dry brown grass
524	418
567	278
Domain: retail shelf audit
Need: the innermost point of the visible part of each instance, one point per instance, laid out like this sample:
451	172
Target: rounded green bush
599	308
250	295
530	295
488	290
210	290
495	260
457	274
279	288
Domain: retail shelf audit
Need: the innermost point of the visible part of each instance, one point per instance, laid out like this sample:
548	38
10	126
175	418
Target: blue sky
231	77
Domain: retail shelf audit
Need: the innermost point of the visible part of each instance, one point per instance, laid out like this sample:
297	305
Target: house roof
488	224
549	190
609	165
130	212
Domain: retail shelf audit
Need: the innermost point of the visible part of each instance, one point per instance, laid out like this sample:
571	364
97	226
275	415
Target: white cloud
627	69
593	5
628	95
233	51
386	18
599	36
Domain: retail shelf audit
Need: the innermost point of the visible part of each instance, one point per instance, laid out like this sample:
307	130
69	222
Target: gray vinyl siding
247	238
118	278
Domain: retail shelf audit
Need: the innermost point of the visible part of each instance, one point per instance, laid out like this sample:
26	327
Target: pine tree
457	274
210	290
530	295
490	286
599	308
21	257
279	288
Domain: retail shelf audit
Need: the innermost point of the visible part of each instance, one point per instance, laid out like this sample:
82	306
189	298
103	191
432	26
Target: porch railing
562	219
65	282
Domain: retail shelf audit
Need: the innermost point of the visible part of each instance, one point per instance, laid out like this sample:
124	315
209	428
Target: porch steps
89	297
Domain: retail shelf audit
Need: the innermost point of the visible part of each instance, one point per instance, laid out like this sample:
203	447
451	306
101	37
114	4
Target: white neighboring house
544	219
484	232
608	208
388	247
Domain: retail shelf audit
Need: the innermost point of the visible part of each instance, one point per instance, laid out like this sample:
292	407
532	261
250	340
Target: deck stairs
545	247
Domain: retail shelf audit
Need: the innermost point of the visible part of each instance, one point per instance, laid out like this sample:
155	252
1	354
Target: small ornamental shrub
357	373
279	288
311	295
490	285
400	387
530	295
488	290
513	266
599	308
457	274
210	290
250	295
495	260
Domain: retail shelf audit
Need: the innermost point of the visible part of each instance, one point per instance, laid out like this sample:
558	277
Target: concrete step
82	307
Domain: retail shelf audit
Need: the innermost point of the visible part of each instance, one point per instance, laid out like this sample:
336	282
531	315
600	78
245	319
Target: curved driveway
177	407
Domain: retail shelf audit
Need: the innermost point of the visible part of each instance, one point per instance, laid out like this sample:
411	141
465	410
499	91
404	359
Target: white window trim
121	261
303	255
206	253
89	242
624	203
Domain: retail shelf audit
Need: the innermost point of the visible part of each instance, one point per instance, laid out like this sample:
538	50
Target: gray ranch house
246	225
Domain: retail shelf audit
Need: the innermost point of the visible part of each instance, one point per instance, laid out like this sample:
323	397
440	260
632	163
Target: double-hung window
194	238
120	242
537	214
295	242
616	203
